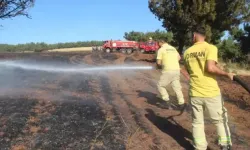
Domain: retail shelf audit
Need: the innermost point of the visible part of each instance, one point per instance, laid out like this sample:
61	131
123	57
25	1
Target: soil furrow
135	111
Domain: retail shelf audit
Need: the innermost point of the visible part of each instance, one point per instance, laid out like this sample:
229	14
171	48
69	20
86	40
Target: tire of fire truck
129	51
107	50
123	51
142	51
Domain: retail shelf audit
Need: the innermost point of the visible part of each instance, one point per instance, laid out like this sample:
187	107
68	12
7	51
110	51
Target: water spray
69	69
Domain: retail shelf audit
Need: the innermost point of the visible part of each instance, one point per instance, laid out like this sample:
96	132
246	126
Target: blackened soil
14	113
110	57
77	125
79	83
74	124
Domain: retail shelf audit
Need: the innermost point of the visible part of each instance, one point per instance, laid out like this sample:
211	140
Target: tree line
38	47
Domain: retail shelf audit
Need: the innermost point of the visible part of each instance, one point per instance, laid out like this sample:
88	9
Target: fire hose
243	84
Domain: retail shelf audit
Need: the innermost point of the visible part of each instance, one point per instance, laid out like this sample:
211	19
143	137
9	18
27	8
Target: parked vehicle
118	45
148	47
127	46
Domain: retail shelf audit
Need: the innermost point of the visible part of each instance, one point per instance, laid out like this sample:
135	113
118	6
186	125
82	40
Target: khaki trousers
218	115
173	78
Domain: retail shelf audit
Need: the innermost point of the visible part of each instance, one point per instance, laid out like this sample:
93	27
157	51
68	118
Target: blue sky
79	20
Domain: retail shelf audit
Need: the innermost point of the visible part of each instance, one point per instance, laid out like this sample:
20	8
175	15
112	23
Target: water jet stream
69	69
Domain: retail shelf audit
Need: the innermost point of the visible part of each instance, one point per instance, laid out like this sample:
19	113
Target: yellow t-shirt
169	57
202	83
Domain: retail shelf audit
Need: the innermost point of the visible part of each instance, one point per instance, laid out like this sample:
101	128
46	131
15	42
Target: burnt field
114	110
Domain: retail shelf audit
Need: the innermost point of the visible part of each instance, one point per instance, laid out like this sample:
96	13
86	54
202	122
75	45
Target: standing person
150	40
168	60
200	61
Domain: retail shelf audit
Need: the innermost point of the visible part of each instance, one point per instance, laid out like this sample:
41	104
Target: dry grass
28	51
78	49
235	68
242	72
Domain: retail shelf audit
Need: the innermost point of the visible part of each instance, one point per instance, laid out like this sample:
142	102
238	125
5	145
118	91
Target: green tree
135	36
229	50
180	16
158	34
13	8
243	37
143	37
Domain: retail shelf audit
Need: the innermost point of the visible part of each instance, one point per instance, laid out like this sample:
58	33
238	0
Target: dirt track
114	110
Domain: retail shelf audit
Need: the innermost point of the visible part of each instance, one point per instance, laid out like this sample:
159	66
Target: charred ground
114	110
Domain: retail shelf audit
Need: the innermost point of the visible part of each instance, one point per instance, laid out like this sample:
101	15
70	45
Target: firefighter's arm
179	57
159	59
212	68
185	73
183	70
159	64
211	64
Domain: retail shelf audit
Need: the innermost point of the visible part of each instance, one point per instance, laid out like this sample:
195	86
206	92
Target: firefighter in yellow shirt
168	60
200	61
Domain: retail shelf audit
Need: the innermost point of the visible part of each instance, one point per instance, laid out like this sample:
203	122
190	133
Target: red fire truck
148	47
118	45
127	46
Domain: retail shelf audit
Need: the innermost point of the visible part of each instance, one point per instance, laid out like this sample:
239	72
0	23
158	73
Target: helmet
150	38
